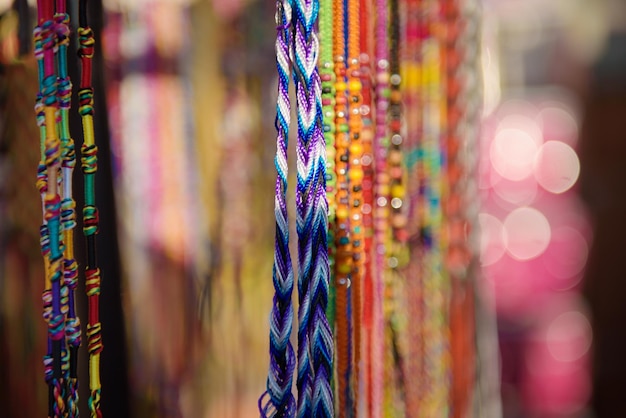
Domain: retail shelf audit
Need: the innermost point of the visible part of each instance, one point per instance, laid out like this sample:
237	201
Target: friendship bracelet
281	403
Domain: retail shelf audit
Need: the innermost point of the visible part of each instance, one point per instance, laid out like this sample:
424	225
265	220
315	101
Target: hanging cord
281	402
342	237
355	176
89	161
315	352
24	26
381	195
42	186
52	244
463	104
395	158
397	249
412	101
68	213
367	162
456	251
435	279
327	76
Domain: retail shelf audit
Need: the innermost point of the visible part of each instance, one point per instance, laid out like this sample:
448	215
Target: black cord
82	13
24	31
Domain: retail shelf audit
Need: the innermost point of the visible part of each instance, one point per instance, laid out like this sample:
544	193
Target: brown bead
394	157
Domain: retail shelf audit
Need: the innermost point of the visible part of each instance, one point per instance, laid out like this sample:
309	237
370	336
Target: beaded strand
395	157
461	138
355	177
343	243
436	280
327	76
412	99
367	162
89	163
381	195
396	249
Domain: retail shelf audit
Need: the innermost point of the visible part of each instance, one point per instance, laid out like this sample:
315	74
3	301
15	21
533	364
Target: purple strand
281	402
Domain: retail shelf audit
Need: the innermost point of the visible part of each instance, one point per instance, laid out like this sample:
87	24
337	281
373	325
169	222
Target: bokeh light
557	167
492	240
527	233
513	152
566	256
569	336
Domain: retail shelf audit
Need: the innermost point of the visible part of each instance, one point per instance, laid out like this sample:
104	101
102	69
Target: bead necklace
355	176
381	196
436	281
343	244
396	248
367	160
327	76
462	128
412	82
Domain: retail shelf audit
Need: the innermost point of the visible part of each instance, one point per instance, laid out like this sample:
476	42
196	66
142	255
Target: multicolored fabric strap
89	162
68	215
49	181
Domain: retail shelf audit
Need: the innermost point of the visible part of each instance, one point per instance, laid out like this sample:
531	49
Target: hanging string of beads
355	178
436	281
343	243
367	162
327	76
413	272
89	161
381	196
397	257
461	140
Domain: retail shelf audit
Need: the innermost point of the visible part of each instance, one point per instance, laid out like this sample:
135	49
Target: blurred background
185	99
